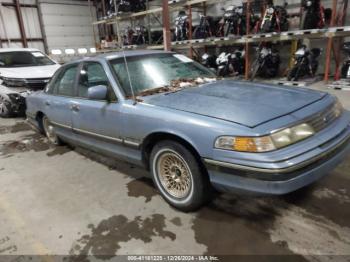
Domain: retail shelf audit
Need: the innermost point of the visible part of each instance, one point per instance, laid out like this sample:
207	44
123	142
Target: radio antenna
121	45
129	78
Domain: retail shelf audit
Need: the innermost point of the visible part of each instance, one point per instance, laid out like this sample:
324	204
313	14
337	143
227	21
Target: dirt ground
64	201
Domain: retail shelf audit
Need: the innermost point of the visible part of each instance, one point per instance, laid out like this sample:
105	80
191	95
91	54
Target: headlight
271	142
338	108
292	135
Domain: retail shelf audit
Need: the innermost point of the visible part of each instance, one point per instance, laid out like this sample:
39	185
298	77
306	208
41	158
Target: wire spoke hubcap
174	174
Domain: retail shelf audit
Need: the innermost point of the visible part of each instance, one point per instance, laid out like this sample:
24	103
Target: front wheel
179	177
50	132
254	69
293	74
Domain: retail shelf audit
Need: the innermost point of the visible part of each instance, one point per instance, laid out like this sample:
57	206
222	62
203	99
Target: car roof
119	54
3	50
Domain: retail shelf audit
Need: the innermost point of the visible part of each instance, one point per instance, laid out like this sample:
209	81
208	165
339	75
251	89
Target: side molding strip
112	139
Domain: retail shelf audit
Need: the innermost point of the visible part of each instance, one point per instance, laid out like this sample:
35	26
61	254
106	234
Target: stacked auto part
306	63
124	6
345	70
207	32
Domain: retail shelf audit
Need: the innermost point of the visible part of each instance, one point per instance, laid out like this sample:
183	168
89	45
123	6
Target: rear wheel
255	69
50	132
292	75
5	106
178	176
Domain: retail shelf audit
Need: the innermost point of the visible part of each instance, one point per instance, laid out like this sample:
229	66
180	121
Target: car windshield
24	59
153	72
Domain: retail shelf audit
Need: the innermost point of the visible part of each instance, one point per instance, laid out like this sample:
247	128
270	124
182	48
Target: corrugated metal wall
67	24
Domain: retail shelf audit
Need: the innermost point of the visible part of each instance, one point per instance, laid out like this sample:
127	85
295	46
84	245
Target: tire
5	106
310	21
266	27
227	29
184	171
285	26
49	131
314	68
195	33
255	69
292	74
345	70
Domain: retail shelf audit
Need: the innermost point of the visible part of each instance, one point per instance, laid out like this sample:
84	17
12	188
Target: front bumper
17	97
229	177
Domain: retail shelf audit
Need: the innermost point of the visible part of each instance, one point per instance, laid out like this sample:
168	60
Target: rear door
58	105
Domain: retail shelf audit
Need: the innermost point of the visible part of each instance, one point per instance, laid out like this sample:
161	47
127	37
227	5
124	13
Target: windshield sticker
183	58
37	54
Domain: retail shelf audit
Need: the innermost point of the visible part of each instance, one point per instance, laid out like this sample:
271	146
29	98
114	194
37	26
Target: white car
22	71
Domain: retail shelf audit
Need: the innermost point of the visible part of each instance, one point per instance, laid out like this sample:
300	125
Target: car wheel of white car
178	176
50	132
5	106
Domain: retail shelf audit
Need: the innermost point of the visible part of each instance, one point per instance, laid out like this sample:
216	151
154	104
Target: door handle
74	108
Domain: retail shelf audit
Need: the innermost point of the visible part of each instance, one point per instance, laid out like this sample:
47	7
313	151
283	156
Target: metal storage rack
334	34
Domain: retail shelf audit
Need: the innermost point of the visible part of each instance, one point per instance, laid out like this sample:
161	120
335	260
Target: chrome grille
325	118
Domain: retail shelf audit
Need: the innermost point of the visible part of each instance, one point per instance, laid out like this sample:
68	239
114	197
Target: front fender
142	120
172	132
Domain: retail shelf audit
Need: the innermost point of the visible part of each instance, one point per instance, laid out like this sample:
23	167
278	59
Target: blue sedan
194	132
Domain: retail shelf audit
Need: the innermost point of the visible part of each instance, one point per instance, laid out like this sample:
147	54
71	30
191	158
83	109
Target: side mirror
98	92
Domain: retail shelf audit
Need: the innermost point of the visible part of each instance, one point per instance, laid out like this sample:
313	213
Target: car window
64	84
93	74
24	59
156	70
51	85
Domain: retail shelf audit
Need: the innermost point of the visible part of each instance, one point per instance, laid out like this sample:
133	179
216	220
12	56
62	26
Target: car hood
245	103
29	72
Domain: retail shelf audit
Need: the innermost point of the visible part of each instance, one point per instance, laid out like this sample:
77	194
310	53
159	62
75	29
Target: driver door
96	123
